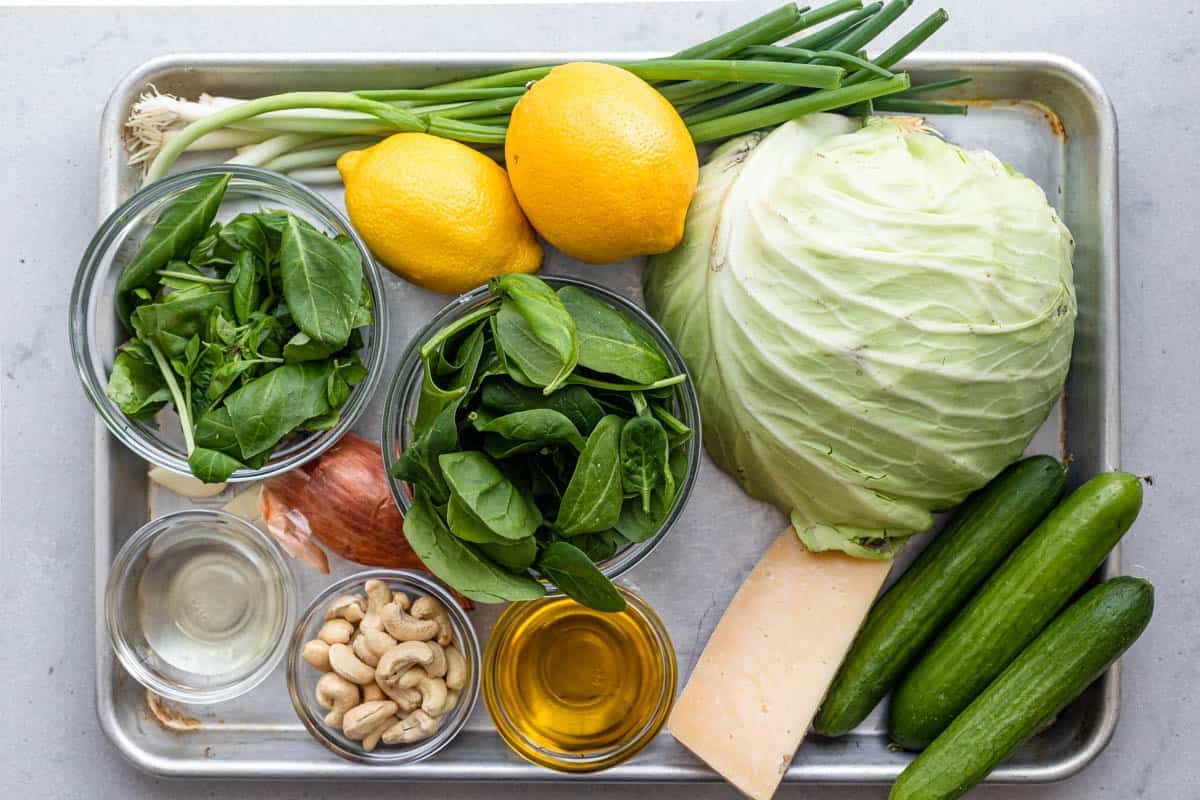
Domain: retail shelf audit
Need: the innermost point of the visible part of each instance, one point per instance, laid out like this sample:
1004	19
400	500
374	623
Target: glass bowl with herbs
228	323
542	436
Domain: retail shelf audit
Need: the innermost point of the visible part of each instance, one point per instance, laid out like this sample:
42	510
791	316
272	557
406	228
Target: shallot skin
343	500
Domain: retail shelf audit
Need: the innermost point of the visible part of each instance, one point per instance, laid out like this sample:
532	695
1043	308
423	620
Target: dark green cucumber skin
1073	651
988	526
1013	607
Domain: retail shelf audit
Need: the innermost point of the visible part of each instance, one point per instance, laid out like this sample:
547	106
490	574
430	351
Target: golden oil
576	689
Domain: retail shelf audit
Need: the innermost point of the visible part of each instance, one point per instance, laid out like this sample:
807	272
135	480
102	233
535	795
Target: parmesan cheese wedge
768	664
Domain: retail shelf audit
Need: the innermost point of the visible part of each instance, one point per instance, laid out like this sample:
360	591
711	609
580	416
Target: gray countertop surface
58	67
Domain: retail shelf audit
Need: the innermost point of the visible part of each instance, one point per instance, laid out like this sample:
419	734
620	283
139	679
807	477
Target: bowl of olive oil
575	689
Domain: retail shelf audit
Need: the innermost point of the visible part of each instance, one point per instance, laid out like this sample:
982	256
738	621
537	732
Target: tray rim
111	150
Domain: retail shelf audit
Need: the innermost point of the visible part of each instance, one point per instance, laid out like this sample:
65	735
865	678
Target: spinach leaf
610	342
498	502
273	405
517	556
434	396
534	331
536	425
644	458
638	525
321	283
136	384
419	463
600	546
572	571
501	449
177	228
212	466
466	524
573	402
458	563
592	500
244	277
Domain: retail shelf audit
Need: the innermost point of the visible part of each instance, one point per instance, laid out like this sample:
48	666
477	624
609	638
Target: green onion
770	27
789	53
910	41
778	113
903	106
816	77
934	86
439	95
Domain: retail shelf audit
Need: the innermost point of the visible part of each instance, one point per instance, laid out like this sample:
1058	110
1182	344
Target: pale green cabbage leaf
877	322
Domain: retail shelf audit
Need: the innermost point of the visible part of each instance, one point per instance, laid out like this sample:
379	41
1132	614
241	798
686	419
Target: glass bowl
96	331
405	391
520	623
302	677
198	605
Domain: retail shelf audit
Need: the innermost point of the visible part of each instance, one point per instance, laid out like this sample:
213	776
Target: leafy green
637	524
136	384
573	402
579	578
592	500
645	452
322	282
271	406
212	466
534	331
177	229
499	503
244	277
517	556
457	562
419	463
612	343
536	425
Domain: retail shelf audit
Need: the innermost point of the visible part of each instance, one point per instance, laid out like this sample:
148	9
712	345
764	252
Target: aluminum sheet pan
1044	114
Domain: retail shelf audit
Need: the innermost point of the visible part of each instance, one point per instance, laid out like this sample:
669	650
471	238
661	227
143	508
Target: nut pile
391	666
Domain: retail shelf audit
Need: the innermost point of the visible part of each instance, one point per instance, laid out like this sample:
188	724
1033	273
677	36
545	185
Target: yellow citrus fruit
601	163
437	213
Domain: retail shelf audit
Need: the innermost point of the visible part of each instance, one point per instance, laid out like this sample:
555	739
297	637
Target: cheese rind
766	667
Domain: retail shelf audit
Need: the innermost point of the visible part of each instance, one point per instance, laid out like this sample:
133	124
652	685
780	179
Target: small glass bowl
498	655
162	632
405	392
302	677
96	330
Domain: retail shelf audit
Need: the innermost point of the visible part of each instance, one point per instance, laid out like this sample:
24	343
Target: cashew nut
316	653
411	677
437	668
368	721
451	701
433	695
336	631
407	699
350	607
346	664
338	694
415	727
363	650
406	628
456	669
372	692
428	607
378	642
397	660
378	595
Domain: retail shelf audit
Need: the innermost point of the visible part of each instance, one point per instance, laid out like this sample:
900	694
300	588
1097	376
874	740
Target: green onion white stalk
742	80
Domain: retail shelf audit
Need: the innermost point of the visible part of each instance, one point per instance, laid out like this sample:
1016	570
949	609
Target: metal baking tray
1044	114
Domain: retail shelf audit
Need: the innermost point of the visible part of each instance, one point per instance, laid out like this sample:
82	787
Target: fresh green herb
522	468
216	311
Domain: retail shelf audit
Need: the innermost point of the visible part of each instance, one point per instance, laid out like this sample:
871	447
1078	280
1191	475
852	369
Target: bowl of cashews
383	667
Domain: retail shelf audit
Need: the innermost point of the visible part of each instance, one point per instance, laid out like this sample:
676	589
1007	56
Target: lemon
437	213
601	163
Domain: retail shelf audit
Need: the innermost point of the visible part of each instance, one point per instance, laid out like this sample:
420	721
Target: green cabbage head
877	322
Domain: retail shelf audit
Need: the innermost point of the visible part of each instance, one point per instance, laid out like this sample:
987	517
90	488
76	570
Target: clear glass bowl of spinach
216	358
541	435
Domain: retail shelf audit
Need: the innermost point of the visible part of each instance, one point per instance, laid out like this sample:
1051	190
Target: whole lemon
437	213
601	163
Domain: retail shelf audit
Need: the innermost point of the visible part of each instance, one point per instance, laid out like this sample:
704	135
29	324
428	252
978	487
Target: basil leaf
573	402
536	425
212	466
458	563
498	502
611	342
177	228
534	331
644	458
302	347
592	500
214	430
244	276
173	323
321	283
136	385
244	233
273	405
572	571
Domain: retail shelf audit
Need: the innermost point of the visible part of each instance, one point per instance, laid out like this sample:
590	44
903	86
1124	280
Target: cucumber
989	525
1072	652
1015	604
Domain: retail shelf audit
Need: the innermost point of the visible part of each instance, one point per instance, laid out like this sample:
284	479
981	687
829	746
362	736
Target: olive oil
579	689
